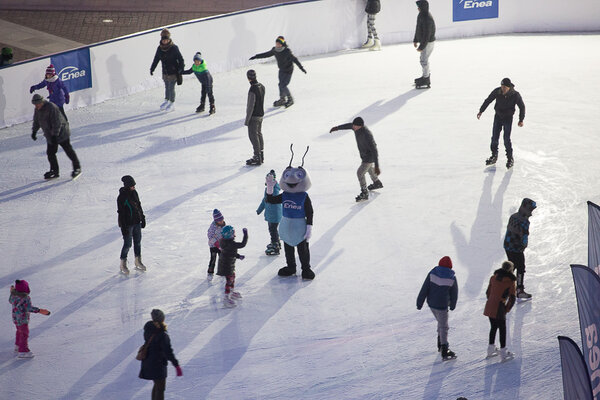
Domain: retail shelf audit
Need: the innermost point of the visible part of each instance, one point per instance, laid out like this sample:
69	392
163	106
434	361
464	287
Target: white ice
354	332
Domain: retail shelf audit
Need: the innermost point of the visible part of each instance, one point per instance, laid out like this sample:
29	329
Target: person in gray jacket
48	117
368	155
424	40
255	111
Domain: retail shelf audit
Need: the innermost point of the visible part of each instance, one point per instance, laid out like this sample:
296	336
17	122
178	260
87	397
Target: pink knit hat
50	70
22	286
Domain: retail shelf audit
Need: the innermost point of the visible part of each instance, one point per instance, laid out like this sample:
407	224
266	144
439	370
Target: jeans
442	319
274	231
362	170
22	337
284	81
425	58
255	135
51	150
499	124
131	232
170	81
303	254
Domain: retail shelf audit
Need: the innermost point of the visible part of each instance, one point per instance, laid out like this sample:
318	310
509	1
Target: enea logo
465	10
74	68
70	72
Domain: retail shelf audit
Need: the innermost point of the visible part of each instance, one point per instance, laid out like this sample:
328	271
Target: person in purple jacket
59	94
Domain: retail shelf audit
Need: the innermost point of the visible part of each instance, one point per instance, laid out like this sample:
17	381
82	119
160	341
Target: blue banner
465	10
74	69
576	381
594	237
587	291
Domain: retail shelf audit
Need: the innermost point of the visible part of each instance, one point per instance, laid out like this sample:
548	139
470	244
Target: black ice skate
289	102
51	174
273	249
364	195
510	162
492	160
375	185
423	82
279	102
255	160
418	79
76	172
447	354
200	108
212	109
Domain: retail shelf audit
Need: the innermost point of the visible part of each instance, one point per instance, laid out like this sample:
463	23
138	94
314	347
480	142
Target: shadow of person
439	372
484	246
118	83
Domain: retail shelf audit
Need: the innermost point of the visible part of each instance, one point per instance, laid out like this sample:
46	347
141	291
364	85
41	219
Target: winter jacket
53	123
365	142
517	230
214	234
154	366
440	289
129	208
58	92
256	100
21	307
297	213
505	103
272	211
425	31
201	73
172	61
373	7
500	294
285	59
229	254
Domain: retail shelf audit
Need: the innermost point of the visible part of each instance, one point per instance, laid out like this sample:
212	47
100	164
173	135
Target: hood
423	5
527	207
443	272
502	273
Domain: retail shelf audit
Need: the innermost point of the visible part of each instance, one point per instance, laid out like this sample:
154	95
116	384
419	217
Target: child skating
501	295
21	307
214	236
229	254
201	71
273	214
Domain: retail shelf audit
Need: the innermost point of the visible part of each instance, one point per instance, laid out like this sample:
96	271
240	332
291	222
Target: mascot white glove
270	183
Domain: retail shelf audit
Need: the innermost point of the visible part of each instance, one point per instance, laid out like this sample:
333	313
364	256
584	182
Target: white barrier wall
122	66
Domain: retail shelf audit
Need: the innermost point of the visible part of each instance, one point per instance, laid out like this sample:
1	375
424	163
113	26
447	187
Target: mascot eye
300	174
286	174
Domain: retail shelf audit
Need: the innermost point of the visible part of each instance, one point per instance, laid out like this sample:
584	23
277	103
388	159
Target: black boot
287	271
212	110
279	102
262	157
308	273
255	160
200	108
492	160
510	162
447	354
364	195
375	185
51	174
289	102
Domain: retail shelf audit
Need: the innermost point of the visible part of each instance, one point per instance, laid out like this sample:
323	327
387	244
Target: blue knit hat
217	216
198	56
228	232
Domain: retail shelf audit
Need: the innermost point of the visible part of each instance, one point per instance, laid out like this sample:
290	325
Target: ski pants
518	259
425	58
52	149
214	252
255	135
371	31
170	81
158	390
274	231
133	232
284	81
362	171
495	325
442	324
500	124
22	337
303	254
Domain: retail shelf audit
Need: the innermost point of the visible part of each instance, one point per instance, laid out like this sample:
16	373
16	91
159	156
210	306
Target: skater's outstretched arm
266	54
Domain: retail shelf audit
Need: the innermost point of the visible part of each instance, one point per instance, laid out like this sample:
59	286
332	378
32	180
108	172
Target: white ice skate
506	355
26	354
235	296
228	302
368	44
492	351
376	45
170	106
164	104
123	267
139	265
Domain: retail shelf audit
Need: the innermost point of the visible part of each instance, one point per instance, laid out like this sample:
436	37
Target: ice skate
255	160
522	294
447	354
211	270
51	174
200	108
418	79
170	107
509	163
375	185
491	160
289	102
26	354
492	351
423	82
376	45
273	249
235	296
364	195
368	44
139	265
228	302
287	271
279	102
164	104
76	172
212	109
308	273
506	355
123	267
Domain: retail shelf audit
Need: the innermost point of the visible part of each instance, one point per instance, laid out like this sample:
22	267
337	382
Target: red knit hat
50	70
22	286
445	262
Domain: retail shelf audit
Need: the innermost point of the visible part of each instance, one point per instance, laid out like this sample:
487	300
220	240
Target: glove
253	58
335	128
245	231
179	371
34	135
241	257
308	232
151	72
67	99
303	70
270	184
31	90
44	311
143	223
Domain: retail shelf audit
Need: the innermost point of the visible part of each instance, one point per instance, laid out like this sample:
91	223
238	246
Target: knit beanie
251	74
272	173
22	286
157	315
50	70
358	121
228	232
36	99
165	34
281	40
128	181
198	56
445	262
217	216
508	266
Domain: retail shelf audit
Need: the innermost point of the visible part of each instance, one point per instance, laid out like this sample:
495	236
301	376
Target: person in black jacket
255	110
172	67
373	43
131	221
226	266
368	155
285	61
506	99
159	352
424	40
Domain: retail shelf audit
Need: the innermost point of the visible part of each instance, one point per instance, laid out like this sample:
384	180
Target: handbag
143	350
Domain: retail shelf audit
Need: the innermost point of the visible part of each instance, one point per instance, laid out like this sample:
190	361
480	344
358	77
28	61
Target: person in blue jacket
201	71
441	291
516	240
58	92
273	215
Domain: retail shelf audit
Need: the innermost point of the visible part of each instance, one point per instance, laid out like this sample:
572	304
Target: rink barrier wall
121	66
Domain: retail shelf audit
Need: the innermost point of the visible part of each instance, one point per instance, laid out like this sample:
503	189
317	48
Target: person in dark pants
226	266
201	71
255	110
368	155
424	40
172	67
500	299
57	133
285	61
154	366
506	98
516	240
131	221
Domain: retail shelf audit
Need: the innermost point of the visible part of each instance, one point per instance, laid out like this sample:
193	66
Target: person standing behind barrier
285	61
424	40
200	70
58	92
255	110
172	67
159	352
373	7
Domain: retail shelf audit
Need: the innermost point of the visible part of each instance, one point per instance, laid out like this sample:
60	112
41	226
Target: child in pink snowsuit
21	307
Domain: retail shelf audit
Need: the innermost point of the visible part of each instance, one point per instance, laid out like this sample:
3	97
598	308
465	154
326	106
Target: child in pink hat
21	307
214	235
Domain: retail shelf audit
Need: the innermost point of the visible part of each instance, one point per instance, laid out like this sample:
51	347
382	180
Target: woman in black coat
172	67
154	366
